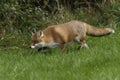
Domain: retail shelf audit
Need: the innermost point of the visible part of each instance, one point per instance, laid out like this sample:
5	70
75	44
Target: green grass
100	62
18	62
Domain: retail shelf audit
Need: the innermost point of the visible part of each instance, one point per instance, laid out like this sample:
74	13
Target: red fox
61	34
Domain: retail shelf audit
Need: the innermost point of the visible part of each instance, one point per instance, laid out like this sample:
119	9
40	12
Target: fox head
37	39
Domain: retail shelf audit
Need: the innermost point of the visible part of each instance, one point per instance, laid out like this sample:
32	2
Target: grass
100	62
17	62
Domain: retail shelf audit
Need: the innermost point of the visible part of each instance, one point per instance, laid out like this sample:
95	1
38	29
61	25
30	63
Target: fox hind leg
82	43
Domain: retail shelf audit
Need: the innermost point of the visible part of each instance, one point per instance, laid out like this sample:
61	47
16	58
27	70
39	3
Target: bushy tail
94	31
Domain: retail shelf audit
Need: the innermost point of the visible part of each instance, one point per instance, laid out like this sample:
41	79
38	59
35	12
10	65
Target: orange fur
68	32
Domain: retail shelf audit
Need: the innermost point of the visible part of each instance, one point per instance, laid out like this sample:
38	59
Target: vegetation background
19	17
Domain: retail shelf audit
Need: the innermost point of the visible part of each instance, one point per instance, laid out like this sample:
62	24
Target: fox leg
83	43
62	46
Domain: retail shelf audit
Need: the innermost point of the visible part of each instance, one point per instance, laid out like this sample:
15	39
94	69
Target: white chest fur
43	44
53	44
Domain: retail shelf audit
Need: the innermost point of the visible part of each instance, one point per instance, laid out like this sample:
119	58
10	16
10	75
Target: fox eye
34	42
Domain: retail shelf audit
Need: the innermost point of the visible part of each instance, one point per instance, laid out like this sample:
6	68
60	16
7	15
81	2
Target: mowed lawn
100	62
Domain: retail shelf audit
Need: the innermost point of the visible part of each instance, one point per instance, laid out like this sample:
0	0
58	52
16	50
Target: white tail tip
113	31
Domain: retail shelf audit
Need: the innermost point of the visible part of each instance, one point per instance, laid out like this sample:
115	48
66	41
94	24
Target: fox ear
40	33
33	31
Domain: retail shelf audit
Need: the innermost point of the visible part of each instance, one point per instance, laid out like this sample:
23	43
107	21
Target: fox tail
94	31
